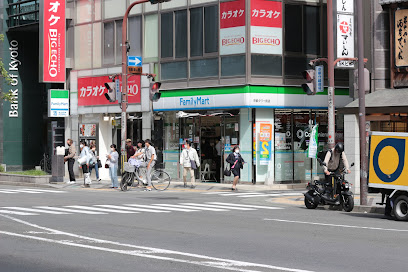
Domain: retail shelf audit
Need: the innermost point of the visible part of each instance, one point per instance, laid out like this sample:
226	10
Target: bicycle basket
127	167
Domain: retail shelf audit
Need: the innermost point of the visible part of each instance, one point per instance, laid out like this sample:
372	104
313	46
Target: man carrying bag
190	161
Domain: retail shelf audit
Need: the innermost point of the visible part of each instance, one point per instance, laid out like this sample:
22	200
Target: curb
27	184
359	209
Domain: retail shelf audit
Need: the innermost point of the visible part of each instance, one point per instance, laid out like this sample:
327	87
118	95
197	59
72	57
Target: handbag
107	163
227	172
99	163
193	164
87	179
82	160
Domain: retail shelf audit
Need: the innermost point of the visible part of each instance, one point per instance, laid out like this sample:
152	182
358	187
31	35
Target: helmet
339	147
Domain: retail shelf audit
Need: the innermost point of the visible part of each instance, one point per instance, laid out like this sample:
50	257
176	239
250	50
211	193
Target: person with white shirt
189	161
150	161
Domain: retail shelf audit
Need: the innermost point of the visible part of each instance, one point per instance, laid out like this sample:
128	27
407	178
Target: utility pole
361	104
330	67
124	81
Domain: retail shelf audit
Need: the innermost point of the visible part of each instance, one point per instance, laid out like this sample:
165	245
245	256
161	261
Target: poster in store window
232	27
266	27
265	139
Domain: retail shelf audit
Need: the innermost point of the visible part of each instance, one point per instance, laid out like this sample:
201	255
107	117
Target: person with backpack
189	161
335	160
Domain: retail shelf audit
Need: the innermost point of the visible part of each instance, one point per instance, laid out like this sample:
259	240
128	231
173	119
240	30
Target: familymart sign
58	103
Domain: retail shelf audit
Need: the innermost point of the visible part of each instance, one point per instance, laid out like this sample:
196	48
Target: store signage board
401	41
58	103
232	27
345	32
52	41
91	91
266	27
319	77
265	139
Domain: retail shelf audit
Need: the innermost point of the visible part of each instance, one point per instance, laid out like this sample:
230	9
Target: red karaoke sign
266	13
53	40
91	91
232	14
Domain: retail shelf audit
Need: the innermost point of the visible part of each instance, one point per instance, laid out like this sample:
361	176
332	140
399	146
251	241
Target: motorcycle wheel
401	208
309	204
348	203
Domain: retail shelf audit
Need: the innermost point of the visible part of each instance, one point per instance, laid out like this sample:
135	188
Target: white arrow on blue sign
135	61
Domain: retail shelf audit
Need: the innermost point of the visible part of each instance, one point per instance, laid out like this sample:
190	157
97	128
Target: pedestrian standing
71	160
189	161
94	162
130	149
113	158
150	161
84	161
236	164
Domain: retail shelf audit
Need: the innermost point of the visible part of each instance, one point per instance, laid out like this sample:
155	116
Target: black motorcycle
338	194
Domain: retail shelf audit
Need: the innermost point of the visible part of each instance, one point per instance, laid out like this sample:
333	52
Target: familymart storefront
270	124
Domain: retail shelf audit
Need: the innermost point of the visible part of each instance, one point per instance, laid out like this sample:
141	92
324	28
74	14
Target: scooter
319	192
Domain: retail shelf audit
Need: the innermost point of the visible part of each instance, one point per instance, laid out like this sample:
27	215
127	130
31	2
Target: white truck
388	173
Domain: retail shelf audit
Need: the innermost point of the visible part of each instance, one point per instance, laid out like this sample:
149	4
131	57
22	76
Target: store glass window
167	35
283	147
232	66
97	45
108	43
196	32
135	35
174	70
211	29
266	65
118	43
83	46
151	37
181	33
204	68
302	165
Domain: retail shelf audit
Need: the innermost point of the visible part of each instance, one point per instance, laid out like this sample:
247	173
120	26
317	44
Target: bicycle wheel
124	181
160	180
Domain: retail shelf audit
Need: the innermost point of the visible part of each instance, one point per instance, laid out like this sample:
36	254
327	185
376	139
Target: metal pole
330	63
124	81
361	104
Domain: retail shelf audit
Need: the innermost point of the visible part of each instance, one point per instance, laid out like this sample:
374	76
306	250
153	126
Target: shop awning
382	101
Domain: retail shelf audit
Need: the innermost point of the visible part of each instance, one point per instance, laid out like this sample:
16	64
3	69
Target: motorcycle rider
334	161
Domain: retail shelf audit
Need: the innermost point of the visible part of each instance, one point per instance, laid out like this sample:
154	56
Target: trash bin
57	165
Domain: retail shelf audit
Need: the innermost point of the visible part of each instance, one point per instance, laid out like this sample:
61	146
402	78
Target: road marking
22	191
131	208
220	206
333	225
174	207
3	191
259	195
32	210
98	209
215	193
68	210
17	213
201	260
238	194
247	206
46	191
161	208
197	206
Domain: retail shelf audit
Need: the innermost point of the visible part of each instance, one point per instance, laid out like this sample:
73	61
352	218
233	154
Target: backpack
322	154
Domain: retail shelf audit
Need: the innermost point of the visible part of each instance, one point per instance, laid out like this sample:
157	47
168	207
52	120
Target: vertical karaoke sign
345	32
52	41
232	27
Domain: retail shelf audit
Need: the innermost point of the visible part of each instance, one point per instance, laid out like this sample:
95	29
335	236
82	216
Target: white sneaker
71	182
99	180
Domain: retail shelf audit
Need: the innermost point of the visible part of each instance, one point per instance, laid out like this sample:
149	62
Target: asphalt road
106	230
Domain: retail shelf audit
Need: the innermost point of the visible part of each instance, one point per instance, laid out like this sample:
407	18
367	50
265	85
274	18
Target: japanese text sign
232	27
91	91
265	138
345	6
401	38
266	27
345	39
52	40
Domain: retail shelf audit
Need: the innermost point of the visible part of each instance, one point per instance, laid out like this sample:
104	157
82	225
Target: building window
151	37
167	35
174	70
233	66
211	29
118	43
135	35
196	32
204	68
181	33
266	65
108	43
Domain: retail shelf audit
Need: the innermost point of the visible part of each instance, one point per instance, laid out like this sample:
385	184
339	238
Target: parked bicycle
160	179
45	163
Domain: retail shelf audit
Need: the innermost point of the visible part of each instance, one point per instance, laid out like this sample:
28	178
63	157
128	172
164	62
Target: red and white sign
52	38
232	27
91	91
345	39
266	27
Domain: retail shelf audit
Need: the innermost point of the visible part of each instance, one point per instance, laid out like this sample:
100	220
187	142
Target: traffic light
155	91
111	94
158	1
310	86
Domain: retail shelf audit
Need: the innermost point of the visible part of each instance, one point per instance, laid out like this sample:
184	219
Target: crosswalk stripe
22	191
188	206
246	196
238	194
196	205
246	206
176	206
46	191
68	210
98	209
7	192
131	208
33	210
219	205
16	213
163	208
214	193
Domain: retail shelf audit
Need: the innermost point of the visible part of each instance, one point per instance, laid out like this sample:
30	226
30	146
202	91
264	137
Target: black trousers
71	169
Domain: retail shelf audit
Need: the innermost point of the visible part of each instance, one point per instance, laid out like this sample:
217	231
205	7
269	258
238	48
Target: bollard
57	165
